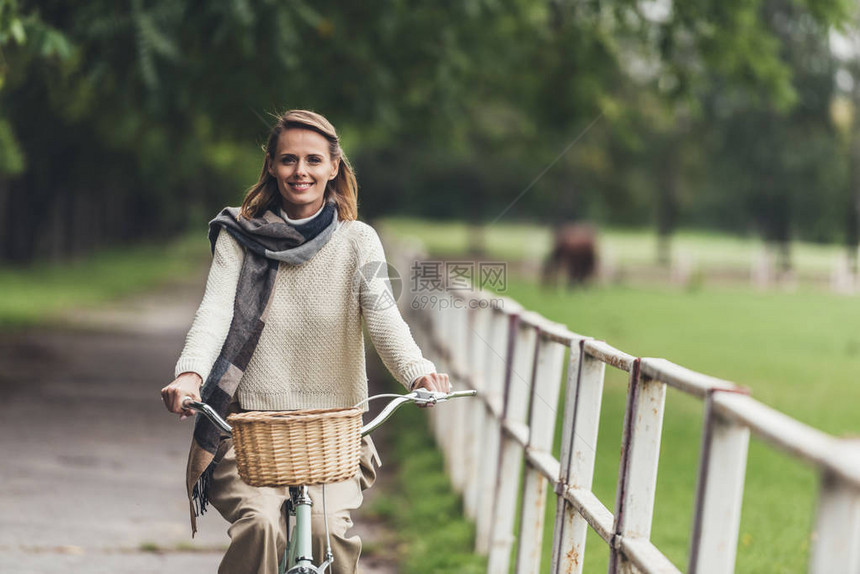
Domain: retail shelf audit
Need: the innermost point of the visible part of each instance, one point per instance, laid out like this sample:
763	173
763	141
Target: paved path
93	466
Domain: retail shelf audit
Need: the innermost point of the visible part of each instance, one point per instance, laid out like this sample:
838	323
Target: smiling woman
280	328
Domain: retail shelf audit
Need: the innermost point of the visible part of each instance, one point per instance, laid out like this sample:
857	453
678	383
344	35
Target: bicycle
297	558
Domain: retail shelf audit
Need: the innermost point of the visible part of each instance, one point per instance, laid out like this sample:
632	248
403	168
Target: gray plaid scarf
268	240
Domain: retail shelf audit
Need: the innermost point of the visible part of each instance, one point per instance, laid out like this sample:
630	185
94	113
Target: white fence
515	358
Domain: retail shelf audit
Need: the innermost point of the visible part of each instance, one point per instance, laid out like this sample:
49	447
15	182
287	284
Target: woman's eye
288	160
314	160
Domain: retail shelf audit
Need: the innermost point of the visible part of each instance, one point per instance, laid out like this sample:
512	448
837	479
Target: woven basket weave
291	448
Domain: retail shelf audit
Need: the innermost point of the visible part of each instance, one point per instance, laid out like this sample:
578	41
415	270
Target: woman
279	328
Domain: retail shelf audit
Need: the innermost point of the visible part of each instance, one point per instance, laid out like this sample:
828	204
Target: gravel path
92	478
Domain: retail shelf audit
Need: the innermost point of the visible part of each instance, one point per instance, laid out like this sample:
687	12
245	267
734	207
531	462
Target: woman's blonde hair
342	190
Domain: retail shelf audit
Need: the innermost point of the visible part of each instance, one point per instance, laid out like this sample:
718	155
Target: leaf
56	44
12	159
308	14
16	28
158	42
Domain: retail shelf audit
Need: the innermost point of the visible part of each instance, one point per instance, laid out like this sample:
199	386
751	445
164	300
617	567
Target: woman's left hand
435	382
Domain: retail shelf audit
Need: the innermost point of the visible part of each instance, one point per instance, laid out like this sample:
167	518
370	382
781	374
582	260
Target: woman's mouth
301	185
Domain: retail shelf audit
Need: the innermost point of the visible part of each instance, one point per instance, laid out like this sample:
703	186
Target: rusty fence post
478	425
719	493
457	411
510	462
497	345
637	473
578	450
440	325
543	404
836	539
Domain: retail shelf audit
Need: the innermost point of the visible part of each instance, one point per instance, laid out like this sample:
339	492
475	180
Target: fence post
497	344
637	473
719	494
457	410
478	427
509	466
578	449
542	416
440	321
836	546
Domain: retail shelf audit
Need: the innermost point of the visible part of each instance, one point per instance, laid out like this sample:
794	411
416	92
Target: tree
151	108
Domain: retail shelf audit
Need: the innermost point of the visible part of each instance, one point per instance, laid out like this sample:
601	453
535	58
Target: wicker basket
291	448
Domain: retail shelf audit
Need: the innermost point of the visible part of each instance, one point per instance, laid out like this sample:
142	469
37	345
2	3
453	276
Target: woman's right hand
185	385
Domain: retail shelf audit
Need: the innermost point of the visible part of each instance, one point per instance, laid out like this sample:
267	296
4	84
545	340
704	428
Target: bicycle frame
298	556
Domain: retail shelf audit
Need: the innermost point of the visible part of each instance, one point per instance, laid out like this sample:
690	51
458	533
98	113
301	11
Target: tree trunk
667	194
852	232
21	222
5	236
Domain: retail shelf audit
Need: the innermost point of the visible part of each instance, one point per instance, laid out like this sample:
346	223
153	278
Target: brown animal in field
574	252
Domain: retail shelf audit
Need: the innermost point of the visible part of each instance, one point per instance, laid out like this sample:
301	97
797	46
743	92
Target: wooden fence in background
515	358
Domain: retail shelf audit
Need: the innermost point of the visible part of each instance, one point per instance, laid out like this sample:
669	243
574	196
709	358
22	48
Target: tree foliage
126	120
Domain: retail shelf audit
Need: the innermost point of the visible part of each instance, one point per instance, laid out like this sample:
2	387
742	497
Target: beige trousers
257	529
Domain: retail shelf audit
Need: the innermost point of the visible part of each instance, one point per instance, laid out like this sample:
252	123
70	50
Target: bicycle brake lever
428	397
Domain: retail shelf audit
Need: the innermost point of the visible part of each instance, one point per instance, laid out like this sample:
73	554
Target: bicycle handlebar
419	397
208	412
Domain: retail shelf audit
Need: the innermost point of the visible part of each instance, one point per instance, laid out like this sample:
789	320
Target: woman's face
302	167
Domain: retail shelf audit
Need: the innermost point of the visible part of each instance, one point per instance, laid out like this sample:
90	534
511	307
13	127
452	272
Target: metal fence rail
515	358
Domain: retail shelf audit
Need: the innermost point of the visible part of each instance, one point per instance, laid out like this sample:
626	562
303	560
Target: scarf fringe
200	494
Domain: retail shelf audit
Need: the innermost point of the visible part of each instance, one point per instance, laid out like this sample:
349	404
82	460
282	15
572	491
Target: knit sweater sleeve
212	320
389	332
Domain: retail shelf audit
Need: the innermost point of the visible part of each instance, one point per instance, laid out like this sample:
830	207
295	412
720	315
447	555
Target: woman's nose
301	167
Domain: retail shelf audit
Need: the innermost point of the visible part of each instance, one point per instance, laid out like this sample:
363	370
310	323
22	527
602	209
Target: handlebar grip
423	395
190	403
208	412
457	394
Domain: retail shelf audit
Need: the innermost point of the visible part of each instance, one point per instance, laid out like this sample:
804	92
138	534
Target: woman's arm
389	332
210	326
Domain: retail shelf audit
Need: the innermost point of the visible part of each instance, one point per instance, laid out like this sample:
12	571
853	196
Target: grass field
797	351
705	250
36	294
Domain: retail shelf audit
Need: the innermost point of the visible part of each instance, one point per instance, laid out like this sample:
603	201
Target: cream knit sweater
311	350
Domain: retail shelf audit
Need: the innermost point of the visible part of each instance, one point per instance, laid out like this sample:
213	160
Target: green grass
796	351
38	293
509	241
705	250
